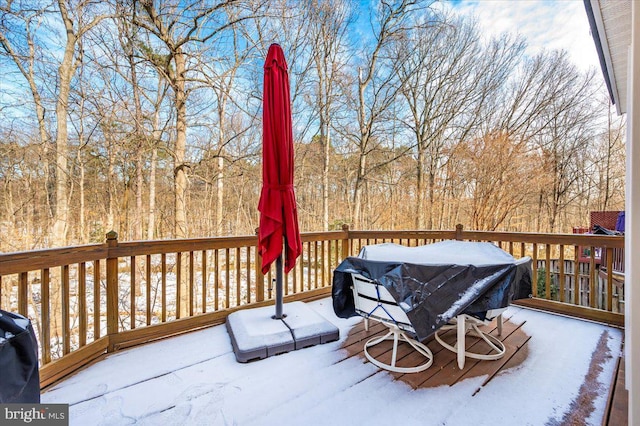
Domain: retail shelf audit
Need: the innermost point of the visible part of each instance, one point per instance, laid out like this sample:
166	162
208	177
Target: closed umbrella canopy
277	206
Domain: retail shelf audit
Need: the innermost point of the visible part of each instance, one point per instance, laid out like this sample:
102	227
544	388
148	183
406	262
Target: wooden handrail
526	237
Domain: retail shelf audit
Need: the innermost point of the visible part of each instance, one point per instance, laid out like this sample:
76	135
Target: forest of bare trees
144	117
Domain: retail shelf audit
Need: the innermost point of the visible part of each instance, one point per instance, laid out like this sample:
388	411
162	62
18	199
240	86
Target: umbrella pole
279	297
279	283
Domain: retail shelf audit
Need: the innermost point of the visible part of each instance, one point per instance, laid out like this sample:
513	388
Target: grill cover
19	373
436	282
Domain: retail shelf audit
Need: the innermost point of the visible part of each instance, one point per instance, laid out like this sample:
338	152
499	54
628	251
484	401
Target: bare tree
497	178
448	75
158	128
607	155
19	30
376	85
567	126
182	27
81	118
78	18
129	40
222	71
329	21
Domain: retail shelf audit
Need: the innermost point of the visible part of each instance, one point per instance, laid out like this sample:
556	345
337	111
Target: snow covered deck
558	370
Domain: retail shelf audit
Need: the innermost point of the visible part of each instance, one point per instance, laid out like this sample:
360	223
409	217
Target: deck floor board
619	404
444	370
189	378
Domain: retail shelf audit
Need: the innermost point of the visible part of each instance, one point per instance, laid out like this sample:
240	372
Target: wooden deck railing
88	300
617	260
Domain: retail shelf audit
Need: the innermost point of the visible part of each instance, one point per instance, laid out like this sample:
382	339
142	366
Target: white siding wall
632	225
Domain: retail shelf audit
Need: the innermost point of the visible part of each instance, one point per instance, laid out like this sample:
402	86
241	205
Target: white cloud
545	24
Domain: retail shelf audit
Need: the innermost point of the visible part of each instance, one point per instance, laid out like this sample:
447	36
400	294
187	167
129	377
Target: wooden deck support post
459	231
259	274
346	249
112	288
23	294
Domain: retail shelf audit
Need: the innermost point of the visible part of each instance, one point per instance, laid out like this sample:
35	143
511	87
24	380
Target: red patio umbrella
277	206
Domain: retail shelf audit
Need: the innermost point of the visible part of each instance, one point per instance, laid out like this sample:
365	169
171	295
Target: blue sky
550	24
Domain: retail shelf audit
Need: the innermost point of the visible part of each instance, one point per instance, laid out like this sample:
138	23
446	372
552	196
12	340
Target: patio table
435	283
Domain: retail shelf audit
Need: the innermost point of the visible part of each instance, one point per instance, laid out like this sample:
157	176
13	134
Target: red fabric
277	206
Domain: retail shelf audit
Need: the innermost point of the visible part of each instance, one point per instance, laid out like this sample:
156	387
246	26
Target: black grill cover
19	374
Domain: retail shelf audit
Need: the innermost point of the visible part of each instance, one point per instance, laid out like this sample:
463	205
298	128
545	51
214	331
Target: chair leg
399	336
499	321
395	349
463	325
460	344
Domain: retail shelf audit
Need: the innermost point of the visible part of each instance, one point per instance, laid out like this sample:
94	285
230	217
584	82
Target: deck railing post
112	287
459	231
259	274
23	294
346	249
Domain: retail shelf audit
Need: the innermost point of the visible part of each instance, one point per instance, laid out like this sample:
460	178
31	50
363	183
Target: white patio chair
466	324
373	301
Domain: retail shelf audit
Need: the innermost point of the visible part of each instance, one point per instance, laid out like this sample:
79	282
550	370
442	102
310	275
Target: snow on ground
194	379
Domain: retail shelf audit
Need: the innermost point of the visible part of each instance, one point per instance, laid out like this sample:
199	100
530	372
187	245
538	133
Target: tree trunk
180	175
83	226
220	195
420	222
222	100
151	220
432	198
326	144
111	186
364	139
139	136
157	134
357	192
61	215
